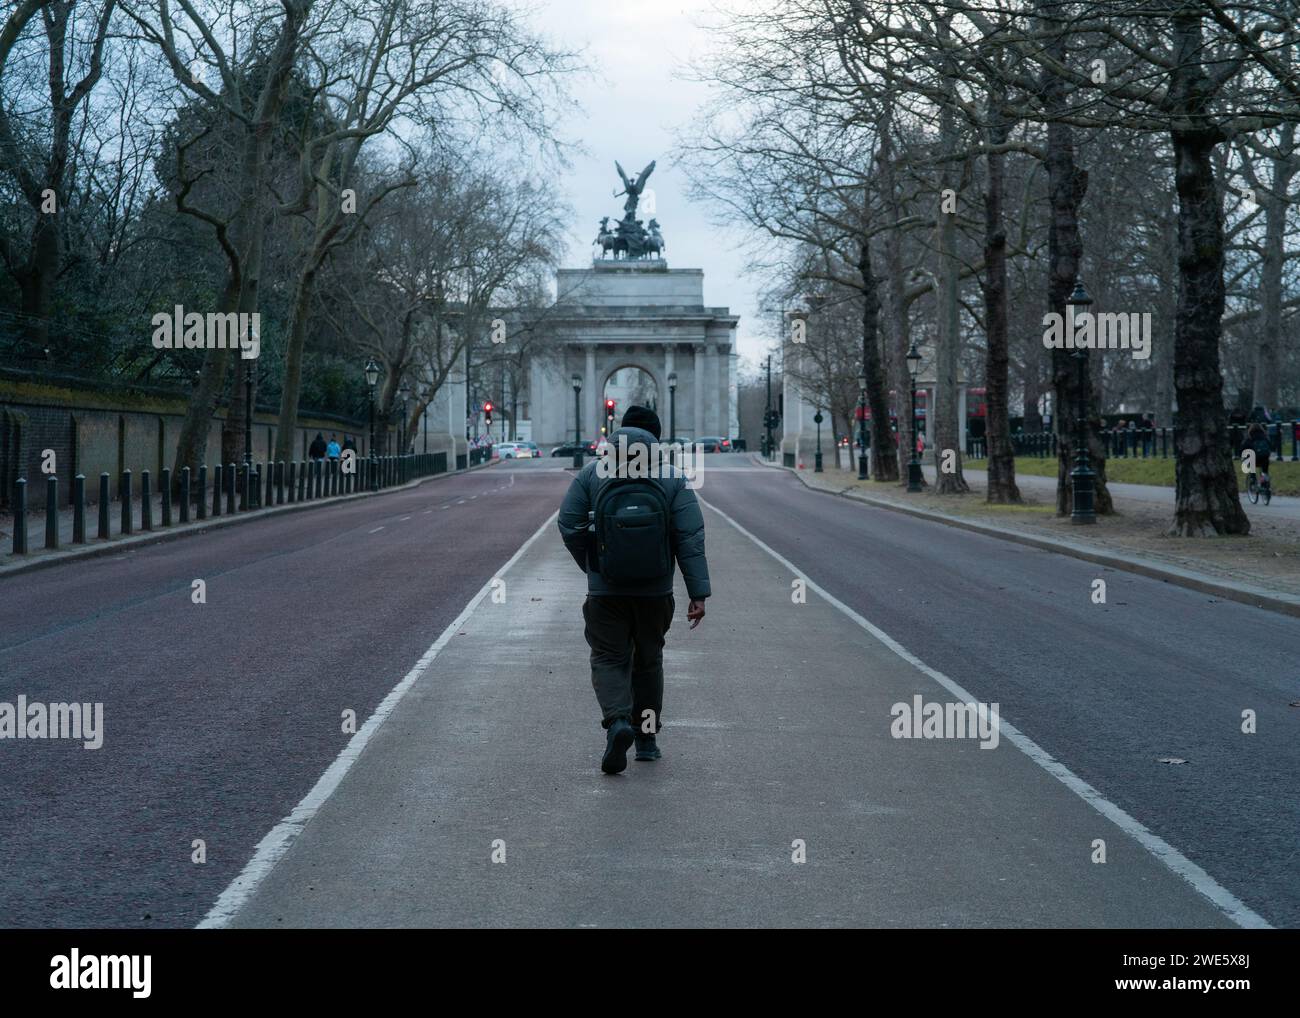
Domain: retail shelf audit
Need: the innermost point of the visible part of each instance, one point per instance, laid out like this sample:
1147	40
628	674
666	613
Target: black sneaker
647	748
617	740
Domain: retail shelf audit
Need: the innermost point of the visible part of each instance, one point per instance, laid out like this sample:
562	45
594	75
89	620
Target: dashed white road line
1232	906
403	519
376	530
272	848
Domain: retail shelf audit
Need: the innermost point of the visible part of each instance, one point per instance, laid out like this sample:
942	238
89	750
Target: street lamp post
1082	478
577	421
372	376
817	457
248	417
862	426
913	460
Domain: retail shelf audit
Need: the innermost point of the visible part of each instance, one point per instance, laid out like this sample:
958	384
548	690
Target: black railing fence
234	488
1142	443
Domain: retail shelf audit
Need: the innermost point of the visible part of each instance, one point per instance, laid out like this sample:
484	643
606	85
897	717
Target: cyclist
1257	439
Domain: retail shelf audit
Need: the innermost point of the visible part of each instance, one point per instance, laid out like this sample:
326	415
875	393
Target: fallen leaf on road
1171	760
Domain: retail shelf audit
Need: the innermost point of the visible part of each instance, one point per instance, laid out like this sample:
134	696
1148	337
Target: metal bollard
146	502
243	487
103	507
52	512
185	495
218	480
290	479
165	484
79	509
230	489
201	504
124	493
279	482
320	478
20	516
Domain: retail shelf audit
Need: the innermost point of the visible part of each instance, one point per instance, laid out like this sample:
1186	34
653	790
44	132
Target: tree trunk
899	380
1066	185
1162	343
248	233
1206	486
884	467
1264	389
192	444
291	390
1001	455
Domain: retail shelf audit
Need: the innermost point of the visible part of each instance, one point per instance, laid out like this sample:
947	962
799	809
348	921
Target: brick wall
89	436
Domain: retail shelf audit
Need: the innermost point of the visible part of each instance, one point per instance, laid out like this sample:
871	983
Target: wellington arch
634	311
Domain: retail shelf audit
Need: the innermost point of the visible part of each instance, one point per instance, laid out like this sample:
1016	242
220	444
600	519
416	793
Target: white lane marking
403	519
272	848
1220	896
376	530
426	512
443	507
460	501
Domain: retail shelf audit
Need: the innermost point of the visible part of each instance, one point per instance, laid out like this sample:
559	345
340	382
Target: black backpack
631	522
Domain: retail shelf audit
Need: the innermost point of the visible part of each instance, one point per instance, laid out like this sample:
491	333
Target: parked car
569	448
533	451
512	450
714	443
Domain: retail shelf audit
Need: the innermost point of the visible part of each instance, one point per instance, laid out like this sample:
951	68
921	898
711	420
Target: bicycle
1254	489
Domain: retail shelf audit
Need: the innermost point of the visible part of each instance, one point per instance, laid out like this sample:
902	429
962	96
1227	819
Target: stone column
666	396
698	390
723	389
590	417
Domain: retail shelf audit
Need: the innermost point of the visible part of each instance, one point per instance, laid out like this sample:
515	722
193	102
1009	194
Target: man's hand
695	612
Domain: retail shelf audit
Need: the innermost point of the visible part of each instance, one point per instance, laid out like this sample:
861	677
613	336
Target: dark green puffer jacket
687	528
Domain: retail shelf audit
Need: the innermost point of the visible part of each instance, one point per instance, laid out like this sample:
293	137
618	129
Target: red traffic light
487	407
609	404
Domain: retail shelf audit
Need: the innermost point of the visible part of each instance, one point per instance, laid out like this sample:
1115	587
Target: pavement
1287	506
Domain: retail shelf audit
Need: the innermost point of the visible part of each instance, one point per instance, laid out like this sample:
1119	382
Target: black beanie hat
642	417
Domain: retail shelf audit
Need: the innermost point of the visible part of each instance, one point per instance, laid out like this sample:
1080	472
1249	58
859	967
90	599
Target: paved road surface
222	717
219	717
776	742
1158	671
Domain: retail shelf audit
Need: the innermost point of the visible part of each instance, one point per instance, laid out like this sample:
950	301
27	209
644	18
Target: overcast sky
632	107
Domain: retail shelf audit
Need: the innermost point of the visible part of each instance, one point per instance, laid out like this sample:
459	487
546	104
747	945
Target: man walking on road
626	530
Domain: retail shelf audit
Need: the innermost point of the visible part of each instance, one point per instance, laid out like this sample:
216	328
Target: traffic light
609	415
487	413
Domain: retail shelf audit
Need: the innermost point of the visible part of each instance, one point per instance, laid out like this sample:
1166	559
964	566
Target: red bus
976	406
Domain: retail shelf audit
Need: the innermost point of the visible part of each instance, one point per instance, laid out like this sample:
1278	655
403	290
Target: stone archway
631	382
634	315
